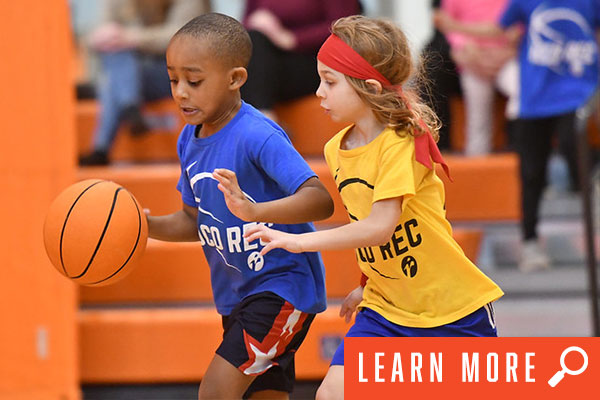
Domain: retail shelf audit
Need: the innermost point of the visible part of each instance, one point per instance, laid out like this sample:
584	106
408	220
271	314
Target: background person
285	37
130	41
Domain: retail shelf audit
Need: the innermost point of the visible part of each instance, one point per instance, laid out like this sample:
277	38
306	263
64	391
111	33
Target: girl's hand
350	303
236	200
273	239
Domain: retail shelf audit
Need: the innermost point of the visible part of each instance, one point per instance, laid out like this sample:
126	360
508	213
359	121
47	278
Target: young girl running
418	281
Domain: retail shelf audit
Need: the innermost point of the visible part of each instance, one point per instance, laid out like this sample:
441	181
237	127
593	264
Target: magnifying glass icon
564	370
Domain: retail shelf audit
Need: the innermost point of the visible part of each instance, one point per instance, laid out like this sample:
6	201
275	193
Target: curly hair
385	47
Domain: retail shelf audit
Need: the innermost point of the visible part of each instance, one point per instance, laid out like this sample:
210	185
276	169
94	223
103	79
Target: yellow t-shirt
421	277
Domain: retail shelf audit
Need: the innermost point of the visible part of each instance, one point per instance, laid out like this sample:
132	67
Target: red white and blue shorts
261	336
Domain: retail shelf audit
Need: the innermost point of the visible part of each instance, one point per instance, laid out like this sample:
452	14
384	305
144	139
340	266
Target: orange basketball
95	232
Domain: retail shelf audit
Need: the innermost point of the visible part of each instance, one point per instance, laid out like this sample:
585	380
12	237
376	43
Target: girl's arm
177	227
350	303
375	230
311	202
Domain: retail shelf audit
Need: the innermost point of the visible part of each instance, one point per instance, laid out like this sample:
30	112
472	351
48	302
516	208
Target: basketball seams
90	232
112	209
60	247
134	247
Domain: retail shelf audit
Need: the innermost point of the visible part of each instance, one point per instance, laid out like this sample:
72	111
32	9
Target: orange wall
38	356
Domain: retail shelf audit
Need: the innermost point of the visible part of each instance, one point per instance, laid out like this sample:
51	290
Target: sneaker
94	158
533	257
137	124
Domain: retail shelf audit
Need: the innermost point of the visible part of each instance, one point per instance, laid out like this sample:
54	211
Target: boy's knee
209	392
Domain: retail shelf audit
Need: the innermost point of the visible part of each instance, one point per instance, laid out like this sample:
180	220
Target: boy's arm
311	202
375	230
177	227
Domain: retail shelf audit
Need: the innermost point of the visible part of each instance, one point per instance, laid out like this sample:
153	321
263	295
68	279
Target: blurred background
152	335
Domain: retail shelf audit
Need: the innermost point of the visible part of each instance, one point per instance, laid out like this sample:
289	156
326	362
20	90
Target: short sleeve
395	176
283	164
183	185
512	14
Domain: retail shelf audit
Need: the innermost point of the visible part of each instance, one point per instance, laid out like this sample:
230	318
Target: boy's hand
350	303
236	200
273	239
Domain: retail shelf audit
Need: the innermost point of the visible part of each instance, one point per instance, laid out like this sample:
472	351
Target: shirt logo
409	266
553	49
225	240
255	261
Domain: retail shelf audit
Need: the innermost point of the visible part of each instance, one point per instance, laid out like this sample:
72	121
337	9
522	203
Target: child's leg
256	356
120	88
566	129
478	93
365	325
237	383
332	386
534	141
220	370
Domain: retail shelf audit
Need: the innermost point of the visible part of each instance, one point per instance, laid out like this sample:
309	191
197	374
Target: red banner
471	368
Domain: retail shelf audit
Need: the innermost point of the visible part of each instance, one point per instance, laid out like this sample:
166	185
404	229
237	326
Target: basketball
95	232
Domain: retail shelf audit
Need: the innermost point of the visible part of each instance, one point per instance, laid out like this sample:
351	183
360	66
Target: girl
417	280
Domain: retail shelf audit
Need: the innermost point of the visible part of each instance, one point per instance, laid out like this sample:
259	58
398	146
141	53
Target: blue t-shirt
558	56
267	168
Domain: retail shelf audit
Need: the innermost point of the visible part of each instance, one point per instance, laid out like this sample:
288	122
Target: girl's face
338	97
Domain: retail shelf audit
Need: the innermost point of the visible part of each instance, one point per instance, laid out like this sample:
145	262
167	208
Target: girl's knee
328	392
332	387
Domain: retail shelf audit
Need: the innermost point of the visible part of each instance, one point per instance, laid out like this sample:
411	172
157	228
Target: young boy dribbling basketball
238	168
419	281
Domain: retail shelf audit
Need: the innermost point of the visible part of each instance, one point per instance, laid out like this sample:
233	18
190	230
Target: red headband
336	54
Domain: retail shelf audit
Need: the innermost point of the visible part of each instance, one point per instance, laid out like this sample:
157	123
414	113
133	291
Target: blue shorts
371	324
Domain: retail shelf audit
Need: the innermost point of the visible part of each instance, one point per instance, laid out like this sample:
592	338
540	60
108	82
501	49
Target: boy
267	303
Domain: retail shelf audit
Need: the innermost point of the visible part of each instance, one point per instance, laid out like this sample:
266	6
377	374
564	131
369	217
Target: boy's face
203	88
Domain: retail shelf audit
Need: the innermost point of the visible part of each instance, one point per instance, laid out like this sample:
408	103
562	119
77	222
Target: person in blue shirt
558	61
234	158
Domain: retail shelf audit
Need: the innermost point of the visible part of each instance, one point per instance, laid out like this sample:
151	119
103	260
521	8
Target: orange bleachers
157	345
307	124
485	188
155	185
457	125
304	120
308	135
178	273
155	145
